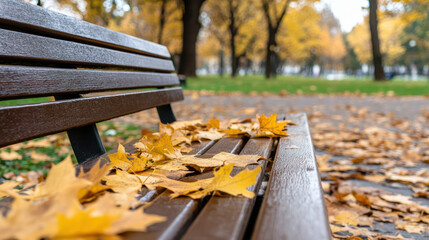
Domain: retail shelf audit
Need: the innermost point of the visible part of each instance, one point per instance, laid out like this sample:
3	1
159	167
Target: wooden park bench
43	53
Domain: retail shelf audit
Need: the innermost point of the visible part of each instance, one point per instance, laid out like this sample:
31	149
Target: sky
348	12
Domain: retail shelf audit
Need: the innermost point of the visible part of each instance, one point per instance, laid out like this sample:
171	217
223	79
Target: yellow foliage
390	42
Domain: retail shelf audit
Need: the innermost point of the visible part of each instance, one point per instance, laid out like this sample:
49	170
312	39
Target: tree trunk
162	20
233	33
221	60
270	53
375	42
191	27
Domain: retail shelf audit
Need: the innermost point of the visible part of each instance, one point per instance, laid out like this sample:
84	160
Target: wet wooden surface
226	217
293	206
181	211
20	81
20	123
41	21
19	46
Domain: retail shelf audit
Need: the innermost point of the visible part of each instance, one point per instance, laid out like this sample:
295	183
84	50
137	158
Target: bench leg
85	140
166	114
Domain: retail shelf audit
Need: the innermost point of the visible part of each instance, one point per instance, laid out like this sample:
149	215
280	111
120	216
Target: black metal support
166	114
85	140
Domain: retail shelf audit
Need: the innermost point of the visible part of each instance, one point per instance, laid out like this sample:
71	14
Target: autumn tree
274	19
191	28
331	46
299	38
233	17
377	58
390	29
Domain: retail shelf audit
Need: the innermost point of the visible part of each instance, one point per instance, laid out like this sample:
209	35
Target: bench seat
43	53
289	202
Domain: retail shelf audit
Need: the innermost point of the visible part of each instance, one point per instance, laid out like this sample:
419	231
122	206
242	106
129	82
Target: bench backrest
44	53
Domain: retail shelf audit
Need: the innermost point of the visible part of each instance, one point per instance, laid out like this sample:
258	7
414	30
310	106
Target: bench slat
20	123
45	22
293	206
23	46
226	217
182	210
19	81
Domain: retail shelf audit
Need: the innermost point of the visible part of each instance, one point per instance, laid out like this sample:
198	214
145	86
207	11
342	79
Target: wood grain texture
293	206
23	46
20	123
226	217
19	81
45	22
180	211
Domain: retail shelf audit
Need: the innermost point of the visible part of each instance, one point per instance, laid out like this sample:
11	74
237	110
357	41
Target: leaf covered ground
372	153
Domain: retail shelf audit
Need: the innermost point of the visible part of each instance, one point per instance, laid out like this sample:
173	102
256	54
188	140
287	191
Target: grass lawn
292	84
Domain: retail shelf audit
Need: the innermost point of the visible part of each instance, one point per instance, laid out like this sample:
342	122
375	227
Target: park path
358	139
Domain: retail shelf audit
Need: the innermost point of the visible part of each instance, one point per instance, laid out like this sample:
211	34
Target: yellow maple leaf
270	127
8	189
138	164
218	160
163	149
83	222
123	182
61	177
134	221
235	186
213	123
346	217
234	132
212	134
120	159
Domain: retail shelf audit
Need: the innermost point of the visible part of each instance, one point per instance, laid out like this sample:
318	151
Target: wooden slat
23	46
180	211
293	206
45	22
226	217
16	81
20	123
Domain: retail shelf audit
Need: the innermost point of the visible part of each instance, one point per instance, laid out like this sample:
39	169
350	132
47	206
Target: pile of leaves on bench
104	200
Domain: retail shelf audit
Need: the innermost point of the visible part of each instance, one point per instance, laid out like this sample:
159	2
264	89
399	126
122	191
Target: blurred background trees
270	36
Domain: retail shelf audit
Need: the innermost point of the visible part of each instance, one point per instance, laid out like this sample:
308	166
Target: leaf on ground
8	189
8	156
39	157
346	217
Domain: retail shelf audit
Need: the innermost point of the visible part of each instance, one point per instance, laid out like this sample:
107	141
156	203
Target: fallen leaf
8	156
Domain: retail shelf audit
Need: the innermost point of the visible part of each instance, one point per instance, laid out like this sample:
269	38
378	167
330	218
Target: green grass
294	84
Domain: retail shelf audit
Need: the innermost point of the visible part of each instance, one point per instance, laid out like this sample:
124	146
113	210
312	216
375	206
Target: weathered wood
293	206
180	211
226	217
19	123
23	46
42	21
19	81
